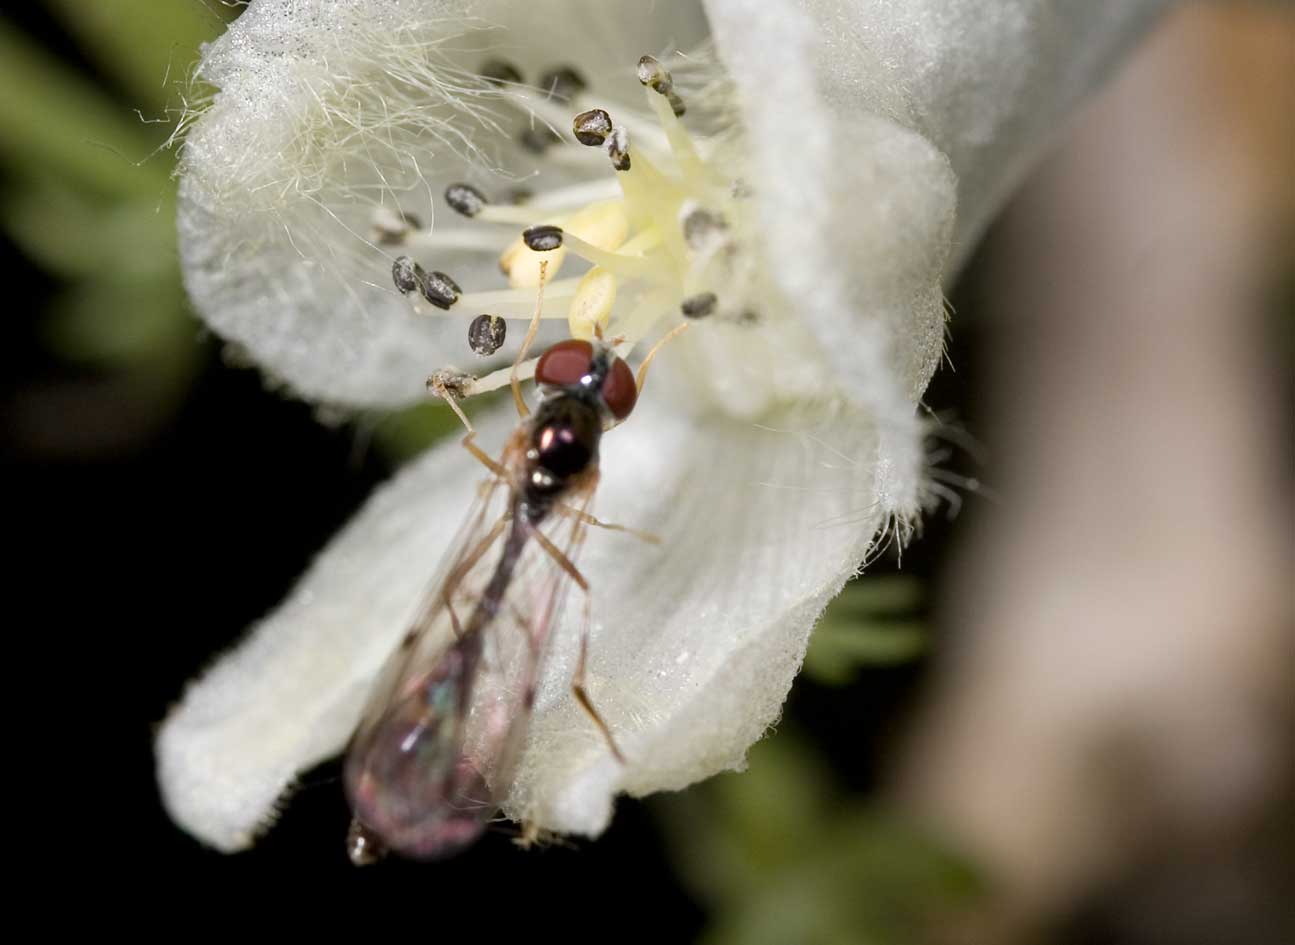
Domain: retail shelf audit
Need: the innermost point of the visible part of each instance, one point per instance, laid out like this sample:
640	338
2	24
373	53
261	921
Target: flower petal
289	695
327	108
871	119
695	643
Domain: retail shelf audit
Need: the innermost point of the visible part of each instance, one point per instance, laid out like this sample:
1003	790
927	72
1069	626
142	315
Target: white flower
768	451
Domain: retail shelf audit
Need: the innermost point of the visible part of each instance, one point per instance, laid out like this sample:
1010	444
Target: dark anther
441	290
407	274
486	334
618	149
543	238
592	127
539	139
562	83
449	382
654	75
499	71
392	226
699	306
465	199
700	225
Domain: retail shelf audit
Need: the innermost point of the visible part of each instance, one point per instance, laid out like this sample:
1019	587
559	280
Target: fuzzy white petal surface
871	120
695	644
288	695
327	108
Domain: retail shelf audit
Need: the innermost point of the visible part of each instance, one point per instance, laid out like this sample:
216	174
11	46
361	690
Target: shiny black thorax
565	432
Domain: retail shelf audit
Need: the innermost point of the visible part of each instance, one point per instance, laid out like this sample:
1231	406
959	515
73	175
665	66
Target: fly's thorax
563	445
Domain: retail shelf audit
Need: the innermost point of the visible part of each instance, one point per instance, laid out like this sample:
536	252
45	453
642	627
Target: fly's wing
517	641
404	772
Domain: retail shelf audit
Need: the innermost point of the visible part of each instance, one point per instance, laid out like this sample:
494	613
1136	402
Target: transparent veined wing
438	743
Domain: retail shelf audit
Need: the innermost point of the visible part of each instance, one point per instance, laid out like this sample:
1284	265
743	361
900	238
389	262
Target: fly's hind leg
587	519
580	515
578	680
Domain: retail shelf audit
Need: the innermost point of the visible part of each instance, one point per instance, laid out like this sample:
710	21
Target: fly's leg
580	515
588	519
470	444
641	378
578	680
582	696
449	385
674	333
461	571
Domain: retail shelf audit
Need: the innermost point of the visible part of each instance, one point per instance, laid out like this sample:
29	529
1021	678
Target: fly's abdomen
406	776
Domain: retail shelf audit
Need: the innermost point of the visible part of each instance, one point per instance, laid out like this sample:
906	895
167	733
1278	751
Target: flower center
657	222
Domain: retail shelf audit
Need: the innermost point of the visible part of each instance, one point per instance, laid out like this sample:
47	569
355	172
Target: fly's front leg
470	444
578	680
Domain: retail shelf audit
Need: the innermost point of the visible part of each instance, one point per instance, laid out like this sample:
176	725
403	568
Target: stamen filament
459	237
681	144
631	267
525	214
576	195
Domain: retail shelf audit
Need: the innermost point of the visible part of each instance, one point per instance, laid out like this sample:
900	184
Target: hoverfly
437	747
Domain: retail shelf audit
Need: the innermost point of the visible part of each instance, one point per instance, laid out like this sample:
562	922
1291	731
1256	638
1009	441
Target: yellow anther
591	306
602	224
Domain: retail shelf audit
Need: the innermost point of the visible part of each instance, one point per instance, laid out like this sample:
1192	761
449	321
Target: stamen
440	290
600	226
538	139
668	107
465	199
468	238
486	334
618	148
523	299
500	72
699	306
562	83
407	275
591	128
702	228
655	76
591	306
542	238
508	213
576	195
392	227
619	263
452	385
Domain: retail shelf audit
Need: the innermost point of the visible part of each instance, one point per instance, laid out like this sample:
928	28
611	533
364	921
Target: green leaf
403	434
148	45
73	234
52	122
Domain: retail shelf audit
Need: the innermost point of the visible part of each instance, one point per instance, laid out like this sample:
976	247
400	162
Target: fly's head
586	388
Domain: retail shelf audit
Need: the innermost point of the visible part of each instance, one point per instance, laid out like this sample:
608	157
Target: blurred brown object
1112	719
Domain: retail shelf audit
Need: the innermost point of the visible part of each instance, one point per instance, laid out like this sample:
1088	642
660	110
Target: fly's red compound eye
619	390
565	363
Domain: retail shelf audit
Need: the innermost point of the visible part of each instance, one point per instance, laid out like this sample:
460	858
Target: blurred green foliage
779	854
871	623
88	193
